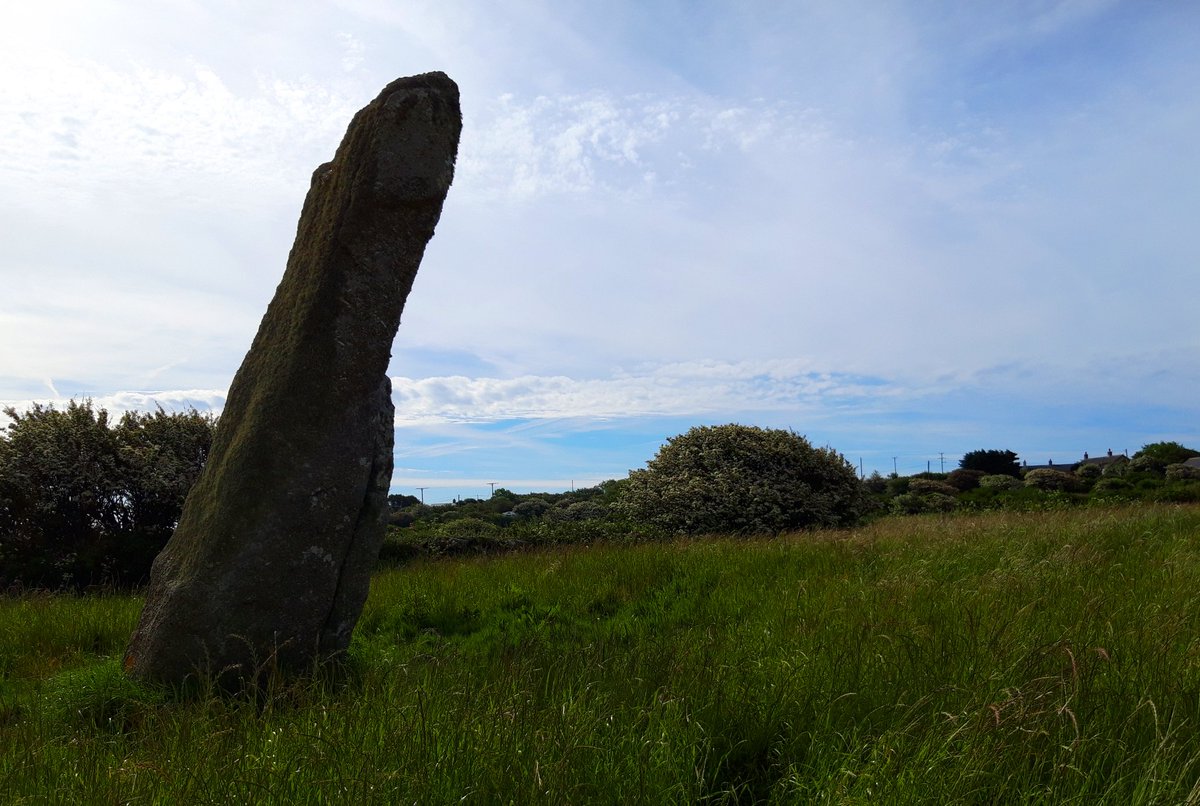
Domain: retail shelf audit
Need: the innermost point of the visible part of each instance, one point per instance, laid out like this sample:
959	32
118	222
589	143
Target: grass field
1000	658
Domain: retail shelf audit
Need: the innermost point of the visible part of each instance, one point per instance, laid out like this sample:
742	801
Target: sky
905	229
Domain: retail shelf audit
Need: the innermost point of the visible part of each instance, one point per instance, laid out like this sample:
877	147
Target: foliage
84	501
917	504
927	486
1147	463
578	511
1117	467
875	483
897	485
467	527
991	462
532	508
1167	453
1000	481
743	480
1089	471
1045	478
963	480
1110	486
1181	472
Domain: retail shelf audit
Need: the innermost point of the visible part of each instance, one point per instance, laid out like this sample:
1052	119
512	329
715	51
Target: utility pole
942	459
492	484
860	470
895	472
422	489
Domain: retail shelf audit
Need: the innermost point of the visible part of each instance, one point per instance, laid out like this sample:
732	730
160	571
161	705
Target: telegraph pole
942	459
895	472
492	484
422	489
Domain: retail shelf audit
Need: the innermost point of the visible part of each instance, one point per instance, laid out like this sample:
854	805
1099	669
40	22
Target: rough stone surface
271	560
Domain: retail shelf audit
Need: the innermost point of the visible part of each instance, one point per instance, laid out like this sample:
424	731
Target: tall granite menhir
272	557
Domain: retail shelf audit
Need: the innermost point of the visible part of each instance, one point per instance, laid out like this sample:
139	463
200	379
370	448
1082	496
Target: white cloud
691	389
76	128
825	192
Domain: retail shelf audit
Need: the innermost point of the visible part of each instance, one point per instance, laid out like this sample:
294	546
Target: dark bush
85	502
991	462
531	508
963	480
1111	486
916	504
579	511
875	483
897	485
742	480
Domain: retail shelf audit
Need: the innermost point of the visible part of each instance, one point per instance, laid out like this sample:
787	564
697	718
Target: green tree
743	479
1167	453
991	462
83	501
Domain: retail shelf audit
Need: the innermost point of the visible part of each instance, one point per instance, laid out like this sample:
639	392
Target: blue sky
904	229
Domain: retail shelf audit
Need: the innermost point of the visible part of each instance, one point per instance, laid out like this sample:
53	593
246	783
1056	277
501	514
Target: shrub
1181	472
875	483
467	527
963	480
913	504
999	481
580	511
1147	463
1089	472
743	479
84	501
1109	486
531	508
1047	479
927	486
1187	492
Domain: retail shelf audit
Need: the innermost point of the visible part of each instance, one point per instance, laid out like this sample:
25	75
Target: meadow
1002	657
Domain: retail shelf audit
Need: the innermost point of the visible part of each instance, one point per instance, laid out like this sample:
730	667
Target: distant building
1070	467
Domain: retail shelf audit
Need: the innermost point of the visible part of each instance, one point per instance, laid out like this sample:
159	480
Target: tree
83	501
743	479
1167	453
991	462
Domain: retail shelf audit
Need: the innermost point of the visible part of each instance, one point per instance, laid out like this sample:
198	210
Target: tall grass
1000	658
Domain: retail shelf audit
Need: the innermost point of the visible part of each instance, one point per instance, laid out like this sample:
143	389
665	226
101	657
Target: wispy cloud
888	220
74	127
696	389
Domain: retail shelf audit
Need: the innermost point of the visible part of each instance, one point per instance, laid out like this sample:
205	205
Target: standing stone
271	560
